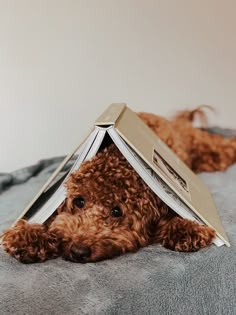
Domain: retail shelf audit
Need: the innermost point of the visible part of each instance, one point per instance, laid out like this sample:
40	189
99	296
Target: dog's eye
79	202
116	212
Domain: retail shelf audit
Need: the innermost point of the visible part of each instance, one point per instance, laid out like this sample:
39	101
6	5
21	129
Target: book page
90	149
178	176
158	186
56	187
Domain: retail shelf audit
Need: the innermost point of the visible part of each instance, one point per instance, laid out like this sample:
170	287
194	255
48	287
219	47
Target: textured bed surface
152	281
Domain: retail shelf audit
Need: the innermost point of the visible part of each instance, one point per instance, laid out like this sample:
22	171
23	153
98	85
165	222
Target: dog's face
109	210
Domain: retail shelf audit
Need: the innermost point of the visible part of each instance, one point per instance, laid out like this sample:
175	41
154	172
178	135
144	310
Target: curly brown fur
89	229
31	242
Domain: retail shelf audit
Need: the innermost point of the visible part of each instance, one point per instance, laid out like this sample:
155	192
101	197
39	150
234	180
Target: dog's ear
155	214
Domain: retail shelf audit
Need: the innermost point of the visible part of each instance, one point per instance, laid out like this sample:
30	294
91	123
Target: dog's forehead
107	166
107	176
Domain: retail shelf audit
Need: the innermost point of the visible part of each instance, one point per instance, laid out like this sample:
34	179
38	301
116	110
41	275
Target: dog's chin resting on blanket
109	210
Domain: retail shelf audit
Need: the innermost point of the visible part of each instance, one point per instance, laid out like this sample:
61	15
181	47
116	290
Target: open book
168	177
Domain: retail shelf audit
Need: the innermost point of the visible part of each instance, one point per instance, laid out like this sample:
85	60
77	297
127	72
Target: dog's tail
197	113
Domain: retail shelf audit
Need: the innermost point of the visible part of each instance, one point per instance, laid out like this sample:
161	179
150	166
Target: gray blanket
152	281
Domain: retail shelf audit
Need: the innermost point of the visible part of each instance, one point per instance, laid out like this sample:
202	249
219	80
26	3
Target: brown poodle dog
109	210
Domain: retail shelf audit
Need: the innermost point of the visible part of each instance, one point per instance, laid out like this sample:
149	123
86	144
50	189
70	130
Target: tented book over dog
156	164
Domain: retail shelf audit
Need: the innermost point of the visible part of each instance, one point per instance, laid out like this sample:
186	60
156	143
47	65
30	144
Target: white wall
63	61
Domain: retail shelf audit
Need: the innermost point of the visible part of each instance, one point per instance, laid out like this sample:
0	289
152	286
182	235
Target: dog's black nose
80	253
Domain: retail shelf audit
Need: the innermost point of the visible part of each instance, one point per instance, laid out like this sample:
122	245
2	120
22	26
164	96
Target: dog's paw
189	237
30	243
